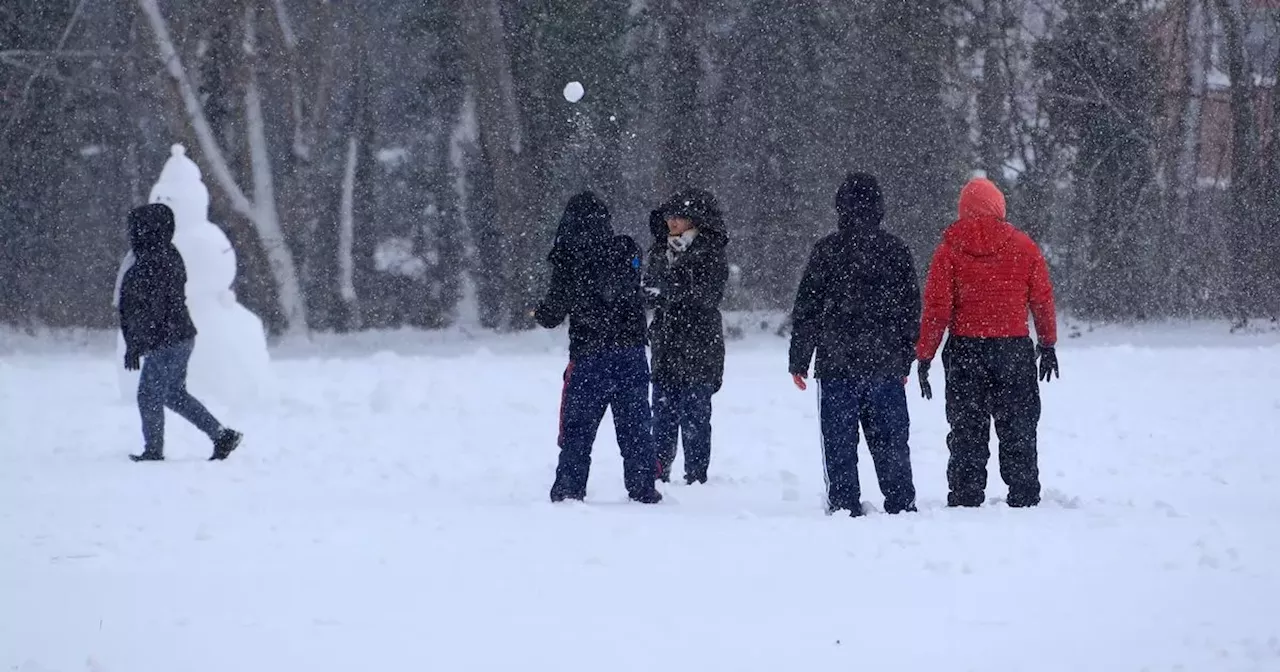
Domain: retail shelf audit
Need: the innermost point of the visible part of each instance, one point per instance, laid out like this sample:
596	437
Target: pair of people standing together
600	282
858	309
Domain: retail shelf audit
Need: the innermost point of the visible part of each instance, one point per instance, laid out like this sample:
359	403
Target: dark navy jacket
858	305
595	282
153	302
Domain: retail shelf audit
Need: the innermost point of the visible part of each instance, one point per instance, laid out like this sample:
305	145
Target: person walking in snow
858	309
596	284
984	278
685	280
160	336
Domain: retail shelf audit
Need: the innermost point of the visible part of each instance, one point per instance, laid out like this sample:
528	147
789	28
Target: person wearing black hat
685	280
858	309
595	283
159	335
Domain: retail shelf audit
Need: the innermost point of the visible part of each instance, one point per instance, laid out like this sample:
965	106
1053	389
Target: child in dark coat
685	280
856	313
595	283
160	336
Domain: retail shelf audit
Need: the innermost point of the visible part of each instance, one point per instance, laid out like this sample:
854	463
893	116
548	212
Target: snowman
230	362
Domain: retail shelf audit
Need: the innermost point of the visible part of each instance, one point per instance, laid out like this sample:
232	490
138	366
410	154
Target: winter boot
148	455
650	496
558	495
690	479
225	443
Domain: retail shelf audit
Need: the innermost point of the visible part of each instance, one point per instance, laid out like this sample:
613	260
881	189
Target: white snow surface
389	512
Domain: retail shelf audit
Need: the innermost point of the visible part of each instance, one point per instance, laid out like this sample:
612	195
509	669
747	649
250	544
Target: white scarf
678	244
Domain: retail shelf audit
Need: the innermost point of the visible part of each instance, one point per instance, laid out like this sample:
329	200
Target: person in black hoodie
595	283
159	335
858	307
685	281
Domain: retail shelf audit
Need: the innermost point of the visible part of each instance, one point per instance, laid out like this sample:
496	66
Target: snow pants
879	405
992	379
163	384
615	380
683	411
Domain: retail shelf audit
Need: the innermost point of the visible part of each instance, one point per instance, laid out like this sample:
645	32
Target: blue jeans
163	384
683	411
879	405
617	380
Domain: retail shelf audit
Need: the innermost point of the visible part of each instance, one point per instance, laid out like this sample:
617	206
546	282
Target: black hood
699	206
150	228
859	202
585	224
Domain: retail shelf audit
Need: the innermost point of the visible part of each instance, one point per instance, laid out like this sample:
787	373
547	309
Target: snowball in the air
573	92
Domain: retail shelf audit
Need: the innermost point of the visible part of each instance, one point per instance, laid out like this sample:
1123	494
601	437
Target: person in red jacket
984	278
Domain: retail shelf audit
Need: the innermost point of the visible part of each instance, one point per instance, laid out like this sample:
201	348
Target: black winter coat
687	332
595	282
153	300
858	305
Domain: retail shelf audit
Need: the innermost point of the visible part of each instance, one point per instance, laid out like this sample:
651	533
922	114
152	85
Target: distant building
1262	49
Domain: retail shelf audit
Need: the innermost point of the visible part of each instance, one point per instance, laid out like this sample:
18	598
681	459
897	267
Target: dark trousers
992	379
163	384
879	405
683	410
617	381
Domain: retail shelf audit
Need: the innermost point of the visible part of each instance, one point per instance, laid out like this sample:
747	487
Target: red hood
981	229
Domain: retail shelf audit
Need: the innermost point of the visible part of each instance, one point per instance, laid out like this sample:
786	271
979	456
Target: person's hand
798	379
1048	362
132	360
922	371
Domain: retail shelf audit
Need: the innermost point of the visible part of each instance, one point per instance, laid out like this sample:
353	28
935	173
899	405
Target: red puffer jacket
984	277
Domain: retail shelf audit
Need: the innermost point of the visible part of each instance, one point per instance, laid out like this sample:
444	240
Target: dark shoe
690	479
560	493
964	501
225	443
854	511
1021	502
148	455
648	497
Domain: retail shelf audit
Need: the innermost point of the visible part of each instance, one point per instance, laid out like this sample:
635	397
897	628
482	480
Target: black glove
1048	362
922	371
132	360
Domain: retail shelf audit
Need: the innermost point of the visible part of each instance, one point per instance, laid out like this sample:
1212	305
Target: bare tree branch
286	25
55	76
26	88
195	110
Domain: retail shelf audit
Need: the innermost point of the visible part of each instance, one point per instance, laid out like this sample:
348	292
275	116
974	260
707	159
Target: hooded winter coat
595	281
984	277
858	305
153	302
685	290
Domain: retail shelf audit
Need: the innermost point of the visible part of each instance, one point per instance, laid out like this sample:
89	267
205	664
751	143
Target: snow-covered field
390	513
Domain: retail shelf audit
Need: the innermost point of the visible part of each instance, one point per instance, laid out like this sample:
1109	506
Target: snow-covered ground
390	513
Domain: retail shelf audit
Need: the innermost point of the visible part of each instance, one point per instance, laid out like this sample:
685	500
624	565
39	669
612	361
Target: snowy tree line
403	163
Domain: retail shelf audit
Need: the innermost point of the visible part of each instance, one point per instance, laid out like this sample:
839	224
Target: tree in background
1102	92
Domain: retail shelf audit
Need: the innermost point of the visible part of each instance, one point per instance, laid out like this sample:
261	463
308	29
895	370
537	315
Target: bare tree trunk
991	115
346	234
263	214
264	193
1187	169
1241	215
501	135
